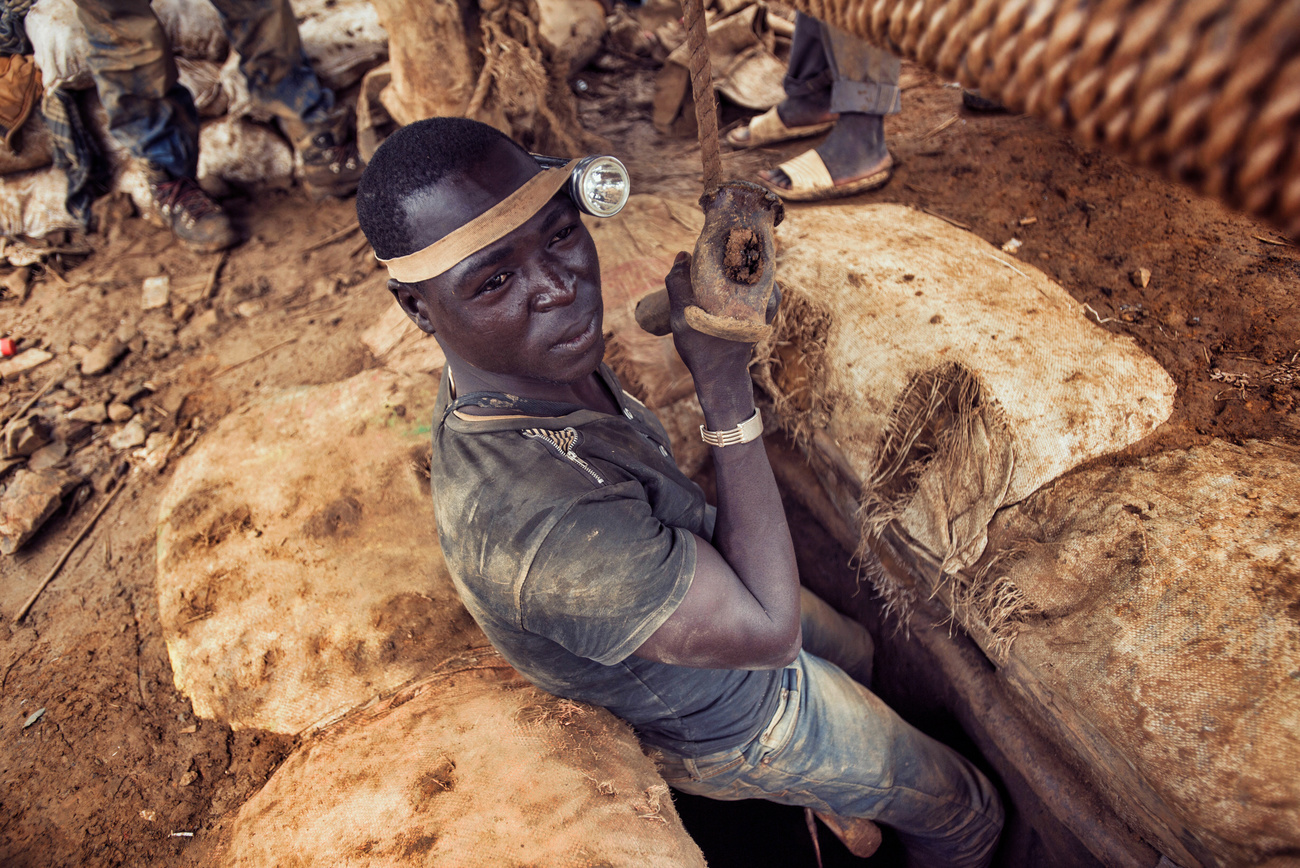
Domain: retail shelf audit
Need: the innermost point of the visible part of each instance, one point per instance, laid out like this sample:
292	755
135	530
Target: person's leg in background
863	88
152	115
265	35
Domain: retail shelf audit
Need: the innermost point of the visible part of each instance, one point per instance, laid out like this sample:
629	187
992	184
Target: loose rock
1141	278
24	361
120	412
156	292
102	357
25	437
47	456
93	413
29	500
18	283
132	434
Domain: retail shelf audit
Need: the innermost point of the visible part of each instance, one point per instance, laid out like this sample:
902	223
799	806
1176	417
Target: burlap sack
1164	644
299	573
944	377
31	203
470	767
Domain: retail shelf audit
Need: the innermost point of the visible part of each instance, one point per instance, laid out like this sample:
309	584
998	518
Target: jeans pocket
778	733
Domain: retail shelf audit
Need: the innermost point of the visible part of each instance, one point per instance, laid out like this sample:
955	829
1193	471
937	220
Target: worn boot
861	837
192	215
331	165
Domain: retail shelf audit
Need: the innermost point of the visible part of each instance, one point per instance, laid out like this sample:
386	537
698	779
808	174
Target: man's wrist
727	408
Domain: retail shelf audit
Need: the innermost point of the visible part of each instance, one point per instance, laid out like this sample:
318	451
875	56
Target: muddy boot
331	165
192	216
861	837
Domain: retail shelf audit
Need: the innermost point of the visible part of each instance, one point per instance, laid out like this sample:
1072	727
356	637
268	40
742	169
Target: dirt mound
469	767
299	573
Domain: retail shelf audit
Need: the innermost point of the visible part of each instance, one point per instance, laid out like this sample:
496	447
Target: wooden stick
212	277
957	223
253	358
365	243
332	237
34	398
58	565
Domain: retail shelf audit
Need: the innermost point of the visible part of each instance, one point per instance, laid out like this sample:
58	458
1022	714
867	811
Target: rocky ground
102	761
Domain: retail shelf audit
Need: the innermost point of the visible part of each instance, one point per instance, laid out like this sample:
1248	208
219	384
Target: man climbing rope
154	116
591	562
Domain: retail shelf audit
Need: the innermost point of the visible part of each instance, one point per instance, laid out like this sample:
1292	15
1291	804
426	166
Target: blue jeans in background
832	745
153	115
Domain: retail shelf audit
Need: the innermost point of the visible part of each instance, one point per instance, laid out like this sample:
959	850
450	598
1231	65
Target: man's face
527	306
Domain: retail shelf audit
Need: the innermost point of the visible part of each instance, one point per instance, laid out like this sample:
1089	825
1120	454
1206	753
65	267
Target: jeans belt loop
692	770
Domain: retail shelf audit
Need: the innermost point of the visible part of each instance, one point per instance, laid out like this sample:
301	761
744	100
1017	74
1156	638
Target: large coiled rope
1207	91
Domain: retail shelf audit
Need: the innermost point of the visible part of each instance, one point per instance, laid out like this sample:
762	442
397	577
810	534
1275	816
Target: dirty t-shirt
568	535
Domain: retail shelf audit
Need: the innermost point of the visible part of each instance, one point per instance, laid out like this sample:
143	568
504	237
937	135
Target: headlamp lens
601	186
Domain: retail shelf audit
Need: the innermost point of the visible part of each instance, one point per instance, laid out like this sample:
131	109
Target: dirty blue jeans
833	746
861	78
153	115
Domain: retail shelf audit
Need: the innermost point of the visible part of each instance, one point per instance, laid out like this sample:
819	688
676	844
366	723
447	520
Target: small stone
28	501
189	778
78	433
126	332
131	435
132	391
1141	278
201	327
17	283
156	292
33	717
250	308
47	457
181	311
1011	245
78	352
120	412
25	437
93	413
149	816
24	361
102	357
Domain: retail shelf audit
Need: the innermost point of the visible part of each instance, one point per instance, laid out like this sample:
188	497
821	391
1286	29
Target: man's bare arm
742	609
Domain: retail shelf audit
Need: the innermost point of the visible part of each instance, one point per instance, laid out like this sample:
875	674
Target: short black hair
412	159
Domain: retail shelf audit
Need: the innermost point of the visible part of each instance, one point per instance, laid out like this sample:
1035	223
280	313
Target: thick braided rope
1206	90
706	111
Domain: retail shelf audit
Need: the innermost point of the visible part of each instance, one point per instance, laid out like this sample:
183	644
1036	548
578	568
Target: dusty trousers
832	745
860	78
153	115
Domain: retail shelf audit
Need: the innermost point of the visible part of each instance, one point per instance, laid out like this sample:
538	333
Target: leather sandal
769	129
811	181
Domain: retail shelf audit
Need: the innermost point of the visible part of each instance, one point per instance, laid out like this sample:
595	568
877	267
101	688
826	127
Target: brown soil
117	764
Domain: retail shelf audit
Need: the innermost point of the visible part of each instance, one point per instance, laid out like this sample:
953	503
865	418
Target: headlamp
599	186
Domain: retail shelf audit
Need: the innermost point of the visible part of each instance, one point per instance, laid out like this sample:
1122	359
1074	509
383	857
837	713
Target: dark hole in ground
756	833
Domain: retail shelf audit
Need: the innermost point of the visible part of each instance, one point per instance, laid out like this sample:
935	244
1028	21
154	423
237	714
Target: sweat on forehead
410	161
